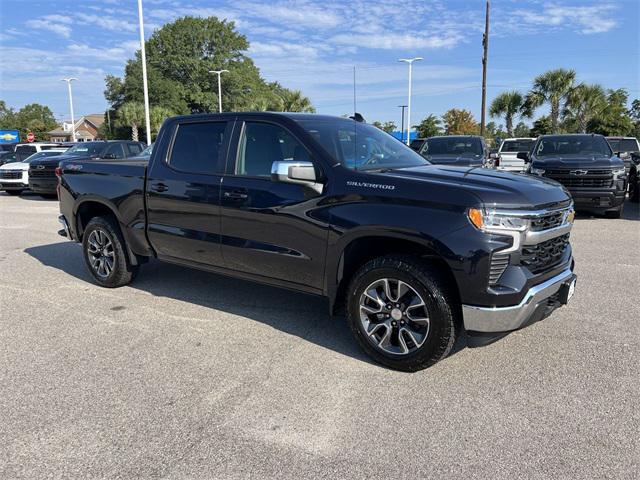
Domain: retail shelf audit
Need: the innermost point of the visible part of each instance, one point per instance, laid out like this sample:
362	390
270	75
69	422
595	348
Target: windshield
36	156
85	149
452	146
360	146
573	145
146	152
516	145
624	145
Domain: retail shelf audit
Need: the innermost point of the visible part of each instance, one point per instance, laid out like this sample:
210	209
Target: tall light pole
485	46
410	62
219	73
145	88
402	122
73	120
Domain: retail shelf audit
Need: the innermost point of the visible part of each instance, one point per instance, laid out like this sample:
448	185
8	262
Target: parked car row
32	166
597	171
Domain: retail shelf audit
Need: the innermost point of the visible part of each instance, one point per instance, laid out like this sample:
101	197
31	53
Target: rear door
271	229
183	192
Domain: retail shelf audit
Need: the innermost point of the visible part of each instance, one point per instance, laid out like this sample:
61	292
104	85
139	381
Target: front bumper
8	185
44	185
537	302
598	200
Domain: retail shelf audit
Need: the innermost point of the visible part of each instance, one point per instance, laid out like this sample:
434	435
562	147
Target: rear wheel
105	253
402	312
13	192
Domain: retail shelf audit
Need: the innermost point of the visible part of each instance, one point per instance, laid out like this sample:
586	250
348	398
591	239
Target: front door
183	193
271	229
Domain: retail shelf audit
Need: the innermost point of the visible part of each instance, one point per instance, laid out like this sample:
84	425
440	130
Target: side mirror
494	155
524	156
299	173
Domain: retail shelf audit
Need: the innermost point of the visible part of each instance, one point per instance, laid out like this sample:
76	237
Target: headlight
537	171
492	220
619	171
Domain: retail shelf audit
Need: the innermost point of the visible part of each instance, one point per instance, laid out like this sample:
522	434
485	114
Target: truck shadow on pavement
298	314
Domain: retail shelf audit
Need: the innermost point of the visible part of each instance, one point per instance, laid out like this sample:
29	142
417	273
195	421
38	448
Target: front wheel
402	312
105	254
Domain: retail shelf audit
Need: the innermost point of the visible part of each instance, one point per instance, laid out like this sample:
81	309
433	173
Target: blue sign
9	136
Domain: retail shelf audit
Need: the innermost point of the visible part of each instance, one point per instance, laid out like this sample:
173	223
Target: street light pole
219	73
410	62
145	88
402	122
73	120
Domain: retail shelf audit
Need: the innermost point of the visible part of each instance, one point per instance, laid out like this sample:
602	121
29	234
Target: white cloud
106	22
584	19
397	41
54	23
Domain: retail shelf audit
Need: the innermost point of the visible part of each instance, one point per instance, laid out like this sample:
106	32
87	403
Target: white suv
14	176
508	153
24	150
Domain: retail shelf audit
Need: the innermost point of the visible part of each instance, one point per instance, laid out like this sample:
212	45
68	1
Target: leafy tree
131	114
634	113
493	132
157	116
551	87
508	104
7	116
388	127
430	126
584	103
180	56
459	122
34	118
541	126
615	119
521	130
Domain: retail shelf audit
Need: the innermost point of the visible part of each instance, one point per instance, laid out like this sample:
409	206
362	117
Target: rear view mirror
299	173
523	156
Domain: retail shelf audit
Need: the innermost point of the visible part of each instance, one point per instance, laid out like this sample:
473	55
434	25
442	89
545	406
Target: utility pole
410	62
402	122
485	44
73	120
145	88
219	73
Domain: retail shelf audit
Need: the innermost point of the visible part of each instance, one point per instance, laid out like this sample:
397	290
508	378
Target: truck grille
552	220
13	175
499	263
545	255
47	172
600	178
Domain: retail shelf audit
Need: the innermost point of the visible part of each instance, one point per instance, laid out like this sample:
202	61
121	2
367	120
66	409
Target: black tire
49	196
436	292
121	272
14	193
634	188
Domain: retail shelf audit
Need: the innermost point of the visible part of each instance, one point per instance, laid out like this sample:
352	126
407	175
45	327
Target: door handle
159	187
235	195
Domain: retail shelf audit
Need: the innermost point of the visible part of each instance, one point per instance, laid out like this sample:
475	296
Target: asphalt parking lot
186	374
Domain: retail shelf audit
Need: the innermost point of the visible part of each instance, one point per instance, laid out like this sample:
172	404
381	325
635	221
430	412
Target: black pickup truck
586	166
333	207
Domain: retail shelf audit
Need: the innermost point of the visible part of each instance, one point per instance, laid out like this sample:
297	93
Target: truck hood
15	166
576	161
54	161
462	160
493	187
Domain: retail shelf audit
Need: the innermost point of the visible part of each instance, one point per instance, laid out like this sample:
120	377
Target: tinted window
133	149
116	150
87	149
516	145
262	144
197	147
49	147
26	149
452	146
629	145
572	145
360	146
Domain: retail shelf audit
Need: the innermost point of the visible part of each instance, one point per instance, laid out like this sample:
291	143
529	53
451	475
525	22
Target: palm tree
157	116
131	114
551	87
429	127
295	101
584	103
508	104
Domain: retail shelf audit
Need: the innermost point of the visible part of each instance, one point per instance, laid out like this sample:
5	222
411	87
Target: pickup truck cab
334	207
625	148
42	177
586	166
508	154
456	150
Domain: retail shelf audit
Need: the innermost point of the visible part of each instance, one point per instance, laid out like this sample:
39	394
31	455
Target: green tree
521	130
430	126
7	116
634	113
157	116
459	122
541	126
508	105
388	127
131	114
584	103
551	87
615	119
34	118
295	101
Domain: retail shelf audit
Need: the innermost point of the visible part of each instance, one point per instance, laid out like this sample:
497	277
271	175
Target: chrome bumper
504	319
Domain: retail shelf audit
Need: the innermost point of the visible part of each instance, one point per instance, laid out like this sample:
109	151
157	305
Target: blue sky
313	46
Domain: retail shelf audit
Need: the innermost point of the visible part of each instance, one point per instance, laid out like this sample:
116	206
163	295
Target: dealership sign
9	136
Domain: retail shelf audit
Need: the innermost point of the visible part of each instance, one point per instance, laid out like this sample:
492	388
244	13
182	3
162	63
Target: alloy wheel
101	253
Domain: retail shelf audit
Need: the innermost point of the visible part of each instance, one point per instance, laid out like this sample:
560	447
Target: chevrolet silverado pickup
413	252
586	166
